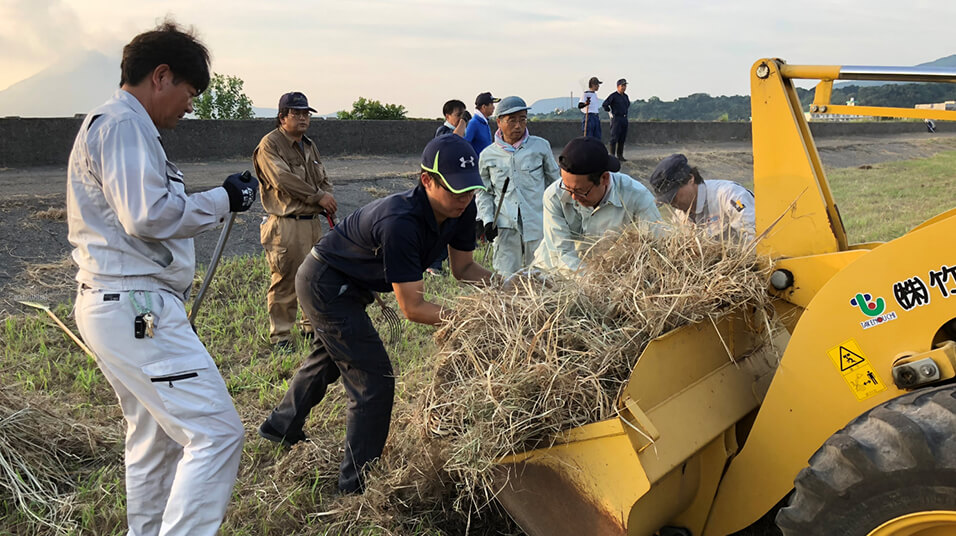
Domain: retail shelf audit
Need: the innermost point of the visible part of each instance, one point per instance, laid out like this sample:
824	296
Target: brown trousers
286	242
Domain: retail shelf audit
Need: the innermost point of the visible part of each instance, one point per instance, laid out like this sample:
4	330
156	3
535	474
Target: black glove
491	231
242	188
466	116
479	230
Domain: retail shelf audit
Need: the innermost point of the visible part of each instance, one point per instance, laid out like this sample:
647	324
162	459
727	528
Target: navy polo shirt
394	239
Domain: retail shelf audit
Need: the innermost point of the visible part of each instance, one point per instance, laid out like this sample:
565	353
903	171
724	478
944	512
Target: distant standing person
456	118
295	191
131	224
618	104
478	133
723	208
591	107
527	164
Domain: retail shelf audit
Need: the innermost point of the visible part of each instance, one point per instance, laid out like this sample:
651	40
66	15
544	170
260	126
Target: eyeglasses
300	113
575	192
463	195
512	121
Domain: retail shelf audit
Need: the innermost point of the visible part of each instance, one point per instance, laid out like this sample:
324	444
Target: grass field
281	491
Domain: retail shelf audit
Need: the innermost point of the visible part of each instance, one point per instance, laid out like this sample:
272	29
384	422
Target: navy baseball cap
485	98
587	155
622	82
295	100
453	159
669	175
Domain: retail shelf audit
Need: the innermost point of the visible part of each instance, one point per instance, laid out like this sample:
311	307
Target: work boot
266	431
284	346
611	148
620	153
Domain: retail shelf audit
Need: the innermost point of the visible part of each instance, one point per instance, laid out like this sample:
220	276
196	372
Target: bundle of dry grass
40	457
518	366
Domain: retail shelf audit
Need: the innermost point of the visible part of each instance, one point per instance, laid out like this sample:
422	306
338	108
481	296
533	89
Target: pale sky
421	53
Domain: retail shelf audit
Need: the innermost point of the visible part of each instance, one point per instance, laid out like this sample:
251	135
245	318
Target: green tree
223	99
373	109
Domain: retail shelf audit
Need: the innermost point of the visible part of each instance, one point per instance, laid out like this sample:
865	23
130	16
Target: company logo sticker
873	308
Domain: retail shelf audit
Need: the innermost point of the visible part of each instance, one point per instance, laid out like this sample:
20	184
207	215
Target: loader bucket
576	487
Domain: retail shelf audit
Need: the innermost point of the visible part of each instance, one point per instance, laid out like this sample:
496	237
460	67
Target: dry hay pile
517	366
41	455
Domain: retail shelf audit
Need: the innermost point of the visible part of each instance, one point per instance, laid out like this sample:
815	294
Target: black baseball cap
295	100
594	81
669	175
485	98
586	155
622	82
452	158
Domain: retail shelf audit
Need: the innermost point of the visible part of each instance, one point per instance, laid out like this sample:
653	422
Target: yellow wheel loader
852	432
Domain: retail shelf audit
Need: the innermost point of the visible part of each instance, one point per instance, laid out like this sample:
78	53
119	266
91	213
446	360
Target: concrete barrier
27	142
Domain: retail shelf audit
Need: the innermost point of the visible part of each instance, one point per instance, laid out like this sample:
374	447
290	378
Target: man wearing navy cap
478	133
618	104
723	208
384	246
295	190
591	199
526	163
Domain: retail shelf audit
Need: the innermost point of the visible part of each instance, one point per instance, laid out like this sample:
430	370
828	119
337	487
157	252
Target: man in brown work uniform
295	193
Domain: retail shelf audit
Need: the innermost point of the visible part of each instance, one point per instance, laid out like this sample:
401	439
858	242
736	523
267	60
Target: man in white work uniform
723	208
131	224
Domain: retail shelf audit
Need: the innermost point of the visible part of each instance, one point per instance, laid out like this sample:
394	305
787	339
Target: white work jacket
531	167
723	208
570	228
130	221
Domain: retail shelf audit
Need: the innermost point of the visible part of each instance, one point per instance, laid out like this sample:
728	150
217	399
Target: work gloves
491	231
242	188
488	231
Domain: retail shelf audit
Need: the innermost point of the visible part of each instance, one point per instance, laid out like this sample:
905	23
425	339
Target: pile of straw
41	455
518	365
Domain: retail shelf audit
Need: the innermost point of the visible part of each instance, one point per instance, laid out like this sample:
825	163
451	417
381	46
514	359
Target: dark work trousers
347	344
591	125
618	135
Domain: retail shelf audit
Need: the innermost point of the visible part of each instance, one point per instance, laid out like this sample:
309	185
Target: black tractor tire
896	459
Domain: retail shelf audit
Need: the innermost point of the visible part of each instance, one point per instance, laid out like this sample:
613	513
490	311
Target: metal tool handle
216	255
501	200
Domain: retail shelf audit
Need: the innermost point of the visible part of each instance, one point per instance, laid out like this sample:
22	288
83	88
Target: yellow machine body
713	428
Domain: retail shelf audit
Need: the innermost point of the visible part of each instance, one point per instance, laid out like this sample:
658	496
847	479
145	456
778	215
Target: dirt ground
34	251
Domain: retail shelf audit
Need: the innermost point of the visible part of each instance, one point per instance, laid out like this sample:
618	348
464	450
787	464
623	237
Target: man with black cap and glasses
591	199
382	247
295	191
515	169
723	208
477	132
618	104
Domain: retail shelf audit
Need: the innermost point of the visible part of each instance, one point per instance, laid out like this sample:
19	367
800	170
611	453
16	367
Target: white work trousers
512	253
183	435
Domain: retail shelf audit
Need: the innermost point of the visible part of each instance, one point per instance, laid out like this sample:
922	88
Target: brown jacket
291	182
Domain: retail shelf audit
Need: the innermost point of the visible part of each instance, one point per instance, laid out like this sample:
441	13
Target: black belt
301	216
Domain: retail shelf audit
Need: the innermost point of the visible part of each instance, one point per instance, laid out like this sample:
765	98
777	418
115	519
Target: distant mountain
547	106
948	61
73	85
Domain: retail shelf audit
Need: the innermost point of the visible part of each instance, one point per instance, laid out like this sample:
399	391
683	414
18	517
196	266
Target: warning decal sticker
859	375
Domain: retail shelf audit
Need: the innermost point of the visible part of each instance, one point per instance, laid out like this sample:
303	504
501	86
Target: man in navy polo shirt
384	246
